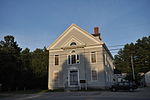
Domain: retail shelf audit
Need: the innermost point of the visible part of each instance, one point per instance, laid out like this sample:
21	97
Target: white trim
73	69
91	57
107	80
96	74
70	28
88	47
71	59
49	77
56	50
53	75
72	39
87	34
58	60
78	59
57	40
105	56
85	46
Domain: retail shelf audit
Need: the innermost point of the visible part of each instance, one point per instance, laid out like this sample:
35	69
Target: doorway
73	78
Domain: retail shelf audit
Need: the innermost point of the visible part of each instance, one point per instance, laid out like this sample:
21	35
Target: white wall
147	78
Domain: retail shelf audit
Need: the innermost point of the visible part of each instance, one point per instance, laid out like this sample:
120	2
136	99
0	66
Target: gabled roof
71	27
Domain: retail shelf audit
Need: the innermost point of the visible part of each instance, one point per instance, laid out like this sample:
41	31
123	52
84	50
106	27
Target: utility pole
132	68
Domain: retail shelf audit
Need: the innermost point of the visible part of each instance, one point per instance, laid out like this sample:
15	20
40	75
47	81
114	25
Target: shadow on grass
12	93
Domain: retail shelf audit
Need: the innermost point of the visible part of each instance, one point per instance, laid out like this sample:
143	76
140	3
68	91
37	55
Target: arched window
73	44
73	59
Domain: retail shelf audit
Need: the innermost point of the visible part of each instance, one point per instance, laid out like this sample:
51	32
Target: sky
37	23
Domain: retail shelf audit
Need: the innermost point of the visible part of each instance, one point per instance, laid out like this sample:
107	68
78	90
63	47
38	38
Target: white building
147	78
78	59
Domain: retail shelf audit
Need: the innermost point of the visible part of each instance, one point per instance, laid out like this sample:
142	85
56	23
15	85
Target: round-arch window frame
73	44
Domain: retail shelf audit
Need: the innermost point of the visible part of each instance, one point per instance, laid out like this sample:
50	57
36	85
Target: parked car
130	86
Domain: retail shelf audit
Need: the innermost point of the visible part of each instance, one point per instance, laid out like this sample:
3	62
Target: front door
73	78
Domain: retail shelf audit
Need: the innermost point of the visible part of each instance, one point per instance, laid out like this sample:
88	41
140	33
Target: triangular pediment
74	34
73	39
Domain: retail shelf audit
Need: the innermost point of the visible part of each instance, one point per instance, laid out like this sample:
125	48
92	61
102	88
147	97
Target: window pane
78	59
93	57
94	75
73	44
73	78
55	76
56	59
73	59
69	59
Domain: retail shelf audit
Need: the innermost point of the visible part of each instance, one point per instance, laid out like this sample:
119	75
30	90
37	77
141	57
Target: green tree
9	62
40	67
26	69
142	59
140	52
22	69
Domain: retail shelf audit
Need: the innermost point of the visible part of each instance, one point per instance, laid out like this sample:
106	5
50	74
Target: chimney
96	30
96	33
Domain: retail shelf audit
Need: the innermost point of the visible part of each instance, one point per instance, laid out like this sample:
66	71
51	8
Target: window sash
73	59
55	76
69	59
93	57
56	59
94	75
77	59
73	78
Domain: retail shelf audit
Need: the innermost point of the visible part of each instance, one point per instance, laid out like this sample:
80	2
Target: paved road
139	94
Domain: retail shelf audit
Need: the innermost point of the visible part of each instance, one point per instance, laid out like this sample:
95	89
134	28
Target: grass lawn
12	93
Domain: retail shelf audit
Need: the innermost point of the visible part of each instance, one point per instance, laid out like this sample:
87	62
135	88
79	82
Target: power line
116	46
114	49
114	52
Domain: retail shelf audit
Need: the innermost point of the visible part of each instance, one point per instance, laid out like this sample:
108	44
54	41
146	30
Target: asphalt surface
139	94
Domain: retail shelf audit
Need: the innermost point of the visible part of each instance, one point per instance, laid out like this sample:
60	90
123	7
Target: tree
139	51
22	69
142	59
40	67
26	69
9	62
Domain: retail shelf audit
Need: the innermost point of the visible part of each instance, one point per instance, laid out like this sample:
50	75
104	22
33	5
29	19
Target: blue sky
37	23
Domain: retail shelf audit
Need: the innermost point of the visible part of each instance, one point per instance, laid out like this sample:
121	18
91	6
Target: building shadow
80	76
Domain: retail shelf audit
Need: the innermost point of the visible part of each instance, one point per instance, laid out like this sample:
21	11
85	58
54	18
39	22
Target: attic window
73	44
